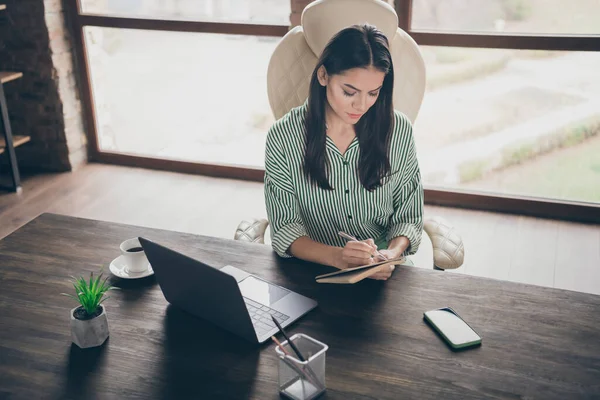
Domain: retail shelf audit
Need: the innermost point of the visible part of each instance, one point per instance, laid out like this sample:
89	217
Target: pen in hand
352	238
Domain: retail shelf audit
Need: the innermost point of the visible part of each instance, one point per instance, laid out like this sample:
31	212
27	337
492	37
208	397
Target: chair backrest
295	57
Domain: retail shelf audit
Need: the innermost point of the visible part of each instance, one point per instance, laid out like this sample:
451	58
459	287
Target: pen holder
302	380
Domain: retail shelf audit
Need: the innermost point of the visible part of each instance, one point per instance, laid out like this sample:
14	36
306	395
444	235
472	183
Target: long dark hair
358	46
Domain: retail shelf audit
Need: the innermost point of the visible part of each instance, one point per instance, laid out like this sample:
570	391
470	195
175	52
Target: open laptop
228	297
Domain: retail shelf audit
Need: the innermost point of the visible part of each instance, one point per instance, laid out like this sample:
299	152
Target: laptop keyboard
261	316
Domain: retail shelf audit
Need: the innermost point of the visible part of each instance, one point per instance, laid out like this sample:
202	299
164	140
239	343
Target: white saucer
119	268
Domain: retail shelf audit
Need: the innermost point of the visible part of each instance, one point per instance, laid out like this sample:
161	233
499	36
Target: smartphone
452	328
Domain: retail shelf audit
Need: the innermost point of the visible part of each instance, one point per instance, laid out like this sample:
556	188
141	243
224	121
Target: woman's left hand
386	273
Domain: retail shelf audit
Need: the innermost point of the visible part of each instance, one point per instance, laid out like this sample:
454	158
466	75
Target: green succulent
90	295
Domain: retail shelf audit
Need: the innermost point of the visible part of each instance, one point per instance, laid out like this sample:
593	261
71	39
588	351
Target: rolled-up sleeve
407	218
281	202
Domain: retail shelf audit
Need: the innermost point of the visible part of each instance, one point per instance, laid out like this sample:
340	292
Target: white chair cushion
252	231
295	57
448	248
289	72
322	19
409	75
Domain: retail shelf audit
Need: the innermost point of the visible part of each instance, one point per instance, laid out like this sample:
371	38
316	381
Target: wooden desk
537	342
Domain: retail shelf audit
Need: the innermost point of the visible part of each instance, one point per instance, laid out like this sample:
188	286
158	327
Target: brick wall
44	104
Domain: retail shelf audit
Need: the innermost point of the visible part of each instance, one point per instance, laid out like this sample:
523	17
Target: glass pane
511	16
186	96
257	11
514	122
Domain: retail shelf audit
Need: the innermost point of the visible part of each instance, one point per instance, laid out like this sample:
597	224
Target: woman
345	161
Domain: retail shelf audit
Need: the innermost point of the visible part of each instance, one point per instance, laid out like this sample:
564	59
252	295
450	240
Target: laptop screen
261	291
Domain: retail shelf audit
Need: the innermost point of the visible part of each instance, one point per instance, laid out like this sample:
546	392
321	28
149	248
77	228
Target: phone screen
452	327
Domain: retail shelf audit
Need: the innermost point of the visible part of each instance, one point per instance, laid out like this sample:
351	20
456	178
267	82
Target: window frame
533	206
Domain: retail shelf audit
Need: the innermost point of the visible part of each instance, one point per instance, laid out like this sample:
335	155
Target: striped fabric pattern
296	207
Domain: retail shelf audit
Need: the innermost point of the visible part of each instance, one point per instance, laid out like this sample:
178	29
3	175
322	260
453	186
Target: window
182	96
507	16
514	122
256	11
510	109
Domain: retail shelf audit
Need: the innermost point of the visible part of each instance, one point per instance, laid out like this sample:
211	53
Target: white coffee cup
135	261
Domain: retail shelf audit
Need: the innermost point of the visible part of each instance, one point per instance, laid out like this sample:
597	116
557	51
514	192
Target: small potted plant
89	325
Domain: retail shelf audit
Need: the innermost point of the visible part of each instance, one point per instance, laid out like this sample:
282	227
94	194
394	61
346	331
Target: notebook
357	274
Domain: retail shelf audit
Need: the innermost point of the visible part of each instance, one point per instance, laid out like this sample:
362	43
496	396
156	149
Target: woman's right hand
356	253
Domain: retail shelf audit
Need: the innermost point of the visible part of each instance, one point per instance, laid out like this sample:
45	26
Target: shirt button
349	216
345	162
347	191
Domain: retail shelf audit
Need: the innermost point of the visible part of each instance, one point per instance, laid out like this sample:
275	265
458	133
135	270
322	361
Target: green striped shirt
296	207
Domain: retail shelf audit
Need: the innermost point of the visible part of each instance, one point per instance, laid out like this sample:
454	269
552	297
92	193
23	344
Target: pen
352	238
292	345
312	379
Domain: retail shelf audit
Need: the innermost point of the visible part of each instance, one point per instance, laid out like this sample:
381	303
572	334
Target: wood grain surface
537	342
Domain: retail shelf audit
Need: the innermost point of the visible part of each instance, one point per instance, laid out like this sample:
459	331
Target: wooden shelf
6	76
17	141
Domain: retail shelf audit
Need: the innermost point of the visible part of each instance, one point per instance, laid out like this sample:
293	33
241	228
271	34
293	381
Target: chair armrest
448	248
252	231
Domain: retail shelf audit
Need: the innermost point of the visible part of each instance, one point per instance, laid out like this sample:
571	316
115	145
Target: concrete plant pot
89	332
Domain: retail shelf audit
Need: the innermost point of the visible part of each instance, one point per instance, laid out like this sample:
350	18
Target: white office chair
289	74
